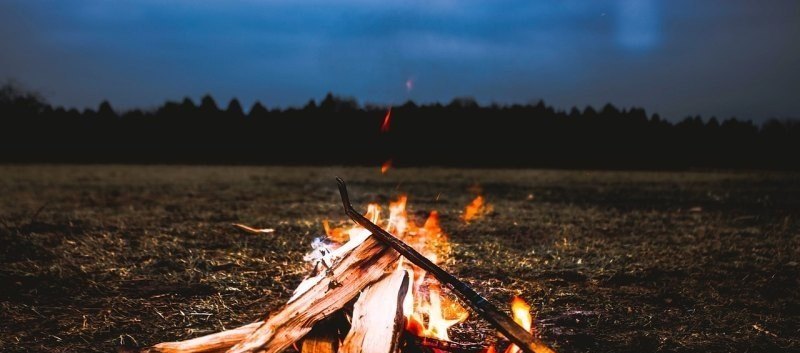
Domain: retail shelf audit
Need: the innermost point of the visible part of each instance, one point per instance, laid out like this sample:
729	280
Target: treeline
340	131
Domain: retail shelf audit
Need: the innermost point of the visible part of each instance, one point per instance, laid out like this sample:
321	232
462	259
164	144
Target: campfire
374	289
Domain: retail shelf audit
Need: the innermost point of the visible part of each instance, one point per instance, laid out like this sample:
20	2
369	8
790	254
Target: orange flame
385	166
386	120
428	312
475	209
341	235
521	312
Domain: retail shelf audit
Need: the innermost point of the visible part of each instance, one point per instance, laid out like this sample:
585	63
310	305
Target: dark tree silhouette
234	109
105	112
257	111
208	105
339	131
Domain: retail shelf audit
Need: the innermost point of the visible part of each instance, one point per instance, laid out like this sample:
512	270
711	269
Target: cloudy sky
675	57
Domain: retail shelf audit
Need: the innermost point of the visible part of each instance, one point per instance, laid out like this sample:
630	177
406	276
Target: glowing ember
428	312
475	209
521	312
386	120
385	166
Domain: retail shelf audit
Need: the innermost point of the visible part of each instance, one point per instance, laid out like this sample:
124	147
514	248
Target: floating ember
386	120
385	166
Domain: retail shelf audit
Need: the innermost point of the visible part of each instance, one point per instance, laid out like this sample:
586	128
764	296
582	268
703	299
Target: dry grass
94	257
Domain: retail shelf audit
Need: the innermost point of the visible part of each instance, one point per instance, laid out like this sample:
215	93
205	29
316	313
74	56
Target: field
97	257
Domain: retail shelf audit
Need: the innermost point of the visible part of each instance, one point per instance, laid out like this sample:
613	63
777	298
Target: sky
673	57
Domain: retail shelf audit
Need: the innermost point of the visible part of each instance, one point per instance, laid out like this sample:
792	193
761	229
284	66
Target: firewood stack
354	302
363	271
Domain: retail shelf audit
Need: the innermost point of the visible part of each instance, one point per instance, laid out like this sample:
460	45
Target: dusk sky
674	57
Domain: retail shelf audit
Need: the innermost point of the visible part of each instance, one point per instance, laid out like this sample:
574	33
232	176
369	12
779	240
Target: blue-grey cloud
675	57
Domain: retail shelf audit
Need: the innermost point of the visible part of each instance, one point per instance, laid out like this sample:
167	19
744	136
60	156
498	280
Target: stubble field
97	257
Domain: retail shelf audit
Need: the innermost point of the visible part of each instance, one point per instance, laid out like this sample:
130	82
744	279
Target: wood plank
378	320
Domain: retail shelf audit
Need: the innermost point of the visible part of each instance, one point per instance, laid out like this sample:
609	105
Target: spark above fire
386	120
386	166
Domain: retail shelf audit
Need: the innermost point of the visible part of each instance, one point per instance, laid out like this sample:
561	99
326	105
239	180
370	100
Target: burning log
378	316
418	344
391	314
485	309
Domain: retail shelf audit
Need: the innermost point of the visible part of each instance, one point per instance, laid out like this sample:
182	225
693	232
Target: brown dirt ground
94	257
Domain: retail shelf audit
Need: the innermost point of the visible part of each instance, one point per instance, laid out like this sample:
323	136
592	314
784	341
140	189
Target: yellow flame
428	312
521	312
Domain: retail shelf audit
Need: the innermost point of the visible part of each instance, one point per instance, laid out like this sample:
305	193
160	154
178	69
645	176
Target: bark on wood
365	264
378	319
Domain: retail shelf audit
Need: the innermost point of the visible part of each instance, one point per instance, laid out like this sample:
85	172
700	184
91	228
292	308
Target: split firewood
323	258
378	319
214	343
223	340
353	266
341	283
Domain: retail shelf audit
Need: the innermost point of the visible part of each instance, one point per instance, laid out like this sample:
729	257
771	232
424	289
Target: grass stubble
97	257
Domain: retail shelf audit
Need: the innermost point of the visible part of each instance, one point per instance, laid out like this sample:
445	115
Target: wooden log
325	261
350	270
214	343
484	308
341	283
324	338
378	320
